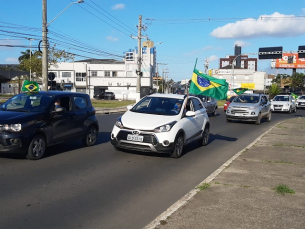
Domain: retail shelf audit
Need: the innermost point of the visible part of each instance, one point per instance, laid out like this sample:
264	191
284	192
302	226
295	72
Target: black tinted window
197	105
80	102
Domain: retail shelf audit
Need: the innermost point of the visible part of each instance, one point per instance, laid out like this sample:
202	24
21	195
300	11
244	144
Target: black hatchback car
31	121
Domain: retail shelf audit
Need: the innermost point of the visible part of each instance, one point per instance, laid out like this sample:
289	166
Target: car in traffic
30	122
162	123
105	95
226	105
249	108
283	103
209	103
300	103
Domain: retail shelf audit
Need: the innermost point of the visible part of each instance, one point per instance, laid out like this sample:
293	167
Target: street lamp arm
80	1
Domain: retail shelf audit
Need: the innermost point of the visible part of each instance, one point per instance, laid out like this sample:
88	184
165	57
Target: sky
183	30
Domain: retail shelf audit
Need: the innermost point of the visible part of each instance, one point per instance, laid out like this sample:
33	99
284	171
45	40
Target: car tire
36	148
295	110
269	116
259	118
215	112
91	136
289	112
178	147
205	137
228	120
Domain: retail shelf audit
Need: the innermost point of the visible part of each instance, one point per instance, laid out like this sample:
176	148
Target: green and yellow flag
30	86
202	84
294	95
240	90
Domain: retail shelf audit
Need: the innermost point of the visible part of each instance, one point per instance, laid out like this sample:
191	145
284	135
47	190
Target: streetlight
45	41
158	74
233	70
30	39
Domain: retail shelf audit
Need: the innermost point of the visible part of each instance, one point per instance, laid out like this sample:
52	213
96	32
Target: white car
301	101
283	103
162	123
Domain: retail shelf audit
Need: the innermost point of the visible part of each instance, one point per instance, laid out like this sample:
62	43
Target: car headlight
119	123
251	108
11	127
165	128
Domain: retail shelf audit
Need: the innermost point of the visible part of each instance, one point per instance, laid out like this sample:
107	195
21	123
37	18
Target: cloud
213	58
274	25
118	7
110	38
11	60
242	43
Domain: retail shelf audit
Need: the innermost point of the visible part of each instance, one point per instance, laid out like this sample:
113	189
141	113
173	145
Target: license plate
238	114
277	108
136	138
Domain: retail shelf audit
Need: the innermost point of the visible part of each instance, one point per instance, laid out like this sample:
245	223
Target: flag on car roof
30	86
294	96
202	84
240	90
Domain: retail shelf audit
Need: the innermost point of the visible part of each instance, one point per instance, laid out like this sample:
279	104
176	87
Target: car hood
301	100
142	121
279	102
244	105
10	117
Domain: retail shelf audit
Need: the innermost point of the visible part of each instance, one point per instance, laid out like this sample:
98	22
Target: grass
283	189
204	186
111	103
221	102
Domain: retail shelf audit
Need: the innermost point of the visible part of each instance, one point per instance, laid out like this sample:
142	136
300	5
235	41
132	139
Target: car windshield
231	99
281	98
246	99
301	97
27	102
158	106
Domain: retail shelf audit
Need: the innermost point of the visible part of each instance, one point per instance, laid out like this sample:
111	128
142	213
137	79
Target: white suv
283	103
250	108
162	123
301	101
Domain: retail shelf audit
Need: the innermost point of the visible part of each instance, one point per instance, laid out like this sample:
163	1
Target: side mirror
190	114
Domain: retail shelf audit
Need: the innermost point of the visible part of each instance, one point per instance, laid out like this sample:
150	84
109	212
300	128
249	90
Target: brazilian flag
294	95
240	90
202	84
30	86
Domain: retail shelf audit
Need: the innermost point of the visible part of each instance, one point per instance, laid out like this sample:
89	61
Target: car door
63	122
210	105
199	115
265	105
80	114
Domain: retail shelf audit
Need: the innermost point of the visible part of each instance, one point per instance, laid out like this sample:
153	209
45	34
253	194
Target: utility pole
139	73
158	75
44	47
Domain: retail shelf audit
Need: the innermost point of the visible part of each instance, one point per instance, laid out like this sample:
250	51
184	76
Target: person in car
57	104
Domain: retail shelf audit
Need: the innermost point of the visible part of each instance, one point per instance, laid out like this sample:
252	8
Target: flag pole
191	82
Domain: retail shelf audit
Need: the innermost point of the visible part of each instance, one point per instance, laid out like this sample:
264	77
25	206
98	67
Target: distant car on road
162	123
283	103
105	95
300	101
30	122
250	108
226	105
209	103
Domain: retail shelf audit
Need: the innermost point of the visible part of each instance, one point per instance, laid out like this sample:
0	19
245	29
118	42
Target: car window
246	99
196	104
158	106
64	102
80	102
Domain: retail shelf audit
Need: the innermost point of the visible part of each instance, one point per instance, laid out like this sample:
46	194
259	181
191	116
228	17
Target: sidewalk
241	194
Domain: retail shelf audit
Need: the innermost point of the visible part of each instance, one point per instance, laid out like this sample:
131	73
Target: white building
246	78
95	76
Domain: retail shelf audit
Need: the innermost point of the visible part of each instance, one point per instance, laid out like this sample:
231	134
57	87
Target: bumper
280	110
241	118
10	143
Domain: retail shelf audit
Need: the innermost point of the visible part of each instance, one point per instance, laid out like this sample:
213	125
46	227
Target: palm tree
24	55
274	90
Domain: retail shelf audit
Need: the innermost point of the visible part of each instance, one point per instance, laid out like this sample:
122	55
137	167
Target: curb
183	201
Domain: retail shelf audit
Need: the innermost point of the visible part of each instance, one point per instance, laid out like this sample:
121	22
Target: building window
80	76
66	74
114	74
93	73
107	73
129	56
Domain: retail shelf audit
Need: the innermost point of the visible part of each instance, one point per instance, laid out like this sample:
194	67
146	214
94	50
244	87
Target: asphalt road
98	187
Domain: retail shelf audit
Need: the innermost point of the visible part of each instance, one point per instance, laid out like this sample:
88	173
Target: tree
35	61
297	81
274	90
278	79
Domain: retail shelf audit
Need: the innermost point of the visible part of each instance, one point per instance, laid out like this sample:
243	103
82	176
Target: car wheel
228	120
91	136
259	118
295	110
215	112
289	110
36	148
178	147
269	116
205	137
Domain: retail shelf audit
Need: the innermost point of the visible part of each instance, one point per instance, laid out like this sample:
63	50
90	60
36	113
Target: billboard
289	60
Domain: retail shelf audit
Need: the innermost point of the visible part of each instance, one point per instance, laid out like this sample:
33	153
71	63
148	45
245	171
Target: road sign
270	53
301	51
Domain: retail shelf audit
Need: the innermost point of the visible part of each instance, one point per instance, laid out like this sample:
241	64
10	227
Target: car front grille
277	106
148	138
237	111
128	145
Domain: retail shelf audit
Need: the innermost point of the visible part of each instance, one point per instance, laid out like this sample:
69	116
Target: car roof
55	93
252	94
173	96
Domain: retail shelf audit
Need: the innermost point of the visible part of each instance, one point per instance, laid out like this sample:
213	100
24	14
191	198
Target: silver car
209	103
301	101
250	108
